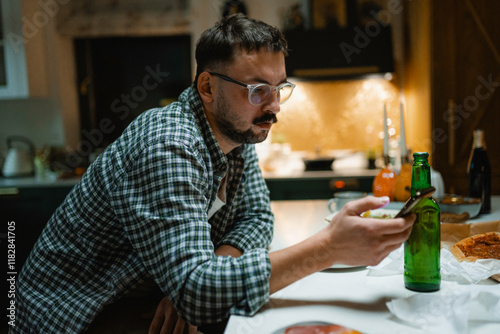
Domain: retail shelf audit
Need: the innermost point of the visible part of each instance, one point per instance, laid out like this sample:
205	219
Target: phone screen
413	201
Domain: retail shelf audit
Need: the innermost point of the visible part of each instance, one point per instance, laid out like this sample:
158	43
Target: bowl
460	204
319	163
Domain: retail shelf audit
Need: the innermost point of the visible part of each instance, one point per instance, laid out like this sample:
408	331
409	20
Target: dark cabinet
29	209
338	53
25	212
316	187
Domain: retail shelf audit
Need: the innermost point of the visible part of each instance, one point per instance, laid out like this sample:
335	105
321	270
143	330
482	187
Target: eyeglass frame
253	86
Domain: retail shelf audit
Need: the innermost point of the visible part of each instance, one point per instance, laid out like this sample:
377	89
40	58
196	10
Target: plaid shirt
140	211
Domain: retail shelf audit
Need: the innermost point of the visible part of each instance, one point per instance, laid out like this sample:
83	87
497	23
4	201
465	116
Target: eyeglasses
260	93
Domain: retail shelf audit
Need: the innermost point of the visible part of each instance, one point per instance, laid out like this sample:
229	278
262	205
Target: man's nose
273	103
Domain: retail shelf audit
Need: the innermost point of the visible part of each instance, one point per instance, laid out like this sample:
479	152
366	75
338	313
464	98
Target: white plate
305	323
344	266
376	212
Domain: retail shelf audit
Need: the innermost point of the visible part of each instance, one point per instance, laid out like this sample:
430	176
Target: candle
403	139
386	135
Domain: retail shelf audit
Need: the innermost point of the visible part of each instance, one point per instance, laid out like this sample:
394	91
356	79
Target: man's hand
354	240
167	321
348	239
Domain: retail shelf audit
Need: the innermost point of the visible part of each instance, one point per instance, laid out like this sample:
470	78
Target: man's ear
204	87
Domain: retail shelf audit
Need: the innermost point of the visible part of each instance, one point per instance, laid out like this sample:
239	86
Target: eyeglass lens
262	93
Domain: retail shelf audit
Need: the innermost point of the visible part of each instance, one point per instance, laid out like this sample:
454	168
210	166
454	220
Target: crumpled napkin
393	264
467	272
450	309
451	269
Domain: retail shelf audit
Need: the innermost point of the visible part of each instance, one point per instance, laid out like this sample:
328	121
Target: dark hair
218	45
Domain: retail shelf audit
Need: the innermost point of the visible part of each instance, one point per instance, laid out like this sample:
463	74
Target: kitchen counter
299	174
33	182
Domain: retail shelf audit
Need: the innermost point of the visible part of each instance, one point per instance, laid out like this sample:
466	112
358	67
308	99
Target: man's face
236	120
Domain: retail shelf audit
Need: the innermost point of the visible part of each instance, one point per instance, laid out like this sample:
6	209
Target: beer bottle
422	249
480	172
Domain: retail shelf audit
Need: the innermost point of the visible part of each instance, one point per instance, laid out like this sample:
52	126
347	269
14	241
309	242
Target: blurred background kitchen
74	73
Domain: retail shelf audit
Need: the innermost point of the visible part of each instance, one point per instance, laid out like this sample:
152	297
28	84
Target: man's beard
227	124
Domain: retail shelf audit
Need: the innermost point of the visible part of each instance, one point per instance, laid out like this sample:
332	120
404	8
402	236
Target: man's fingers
157	322
366	203
164	319
398	238
179	326
167	321
393	225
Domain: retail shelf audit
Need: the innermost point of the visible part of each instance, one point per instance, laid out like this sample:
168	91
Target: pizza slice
479	246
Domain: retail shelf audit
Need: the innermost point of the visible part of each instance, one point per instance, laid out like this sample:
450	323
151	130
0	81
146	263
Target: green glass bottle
422	249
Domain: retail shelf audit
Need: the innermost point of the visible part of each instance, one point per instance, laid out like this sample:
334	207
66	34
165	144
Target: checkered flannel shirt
140	211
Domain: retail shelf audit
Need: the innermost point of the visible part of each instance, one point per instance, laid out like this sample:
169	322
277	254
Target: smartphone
410	204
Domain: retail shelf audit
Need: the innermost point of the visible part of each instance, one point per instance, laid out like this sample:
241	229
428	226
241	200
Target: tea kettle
19	161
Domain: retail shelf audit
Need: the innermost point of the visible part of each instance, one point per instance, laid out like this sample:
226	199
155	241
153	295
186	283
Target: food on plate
454	199
320	329
378	214
479	246
460	204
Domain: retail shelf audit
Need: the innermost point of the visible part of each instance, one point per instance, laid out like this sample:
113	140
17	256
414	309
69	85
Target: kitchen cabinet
465	81
340	39
25	210
339	53
30	207
318	184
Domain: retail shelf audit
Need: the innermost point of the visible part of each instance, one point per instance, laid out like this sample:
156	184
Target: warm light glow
339	184
333	115
298	95
377	88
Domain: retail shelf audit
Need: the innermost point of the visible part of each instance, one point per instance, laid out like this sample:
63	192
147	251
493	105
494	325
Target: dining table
355	297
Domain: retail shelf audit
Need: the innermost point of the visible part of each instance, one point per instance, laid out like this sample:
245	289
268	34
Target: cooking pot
319	163
19	160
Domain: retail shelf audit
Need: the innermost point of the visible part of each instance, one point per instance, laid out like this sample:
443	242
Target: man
179	199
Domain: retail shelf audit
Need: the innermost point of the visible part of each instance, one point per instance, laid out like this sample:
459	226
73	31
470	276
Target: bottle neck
387	161
420	174
479	139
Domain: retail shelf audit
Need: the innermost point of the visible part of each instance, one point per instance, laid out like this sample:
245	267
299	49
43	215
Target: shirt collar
219	159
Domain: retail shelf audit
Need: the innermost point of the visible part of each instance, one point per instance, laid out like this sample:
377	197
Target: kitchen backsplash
334	115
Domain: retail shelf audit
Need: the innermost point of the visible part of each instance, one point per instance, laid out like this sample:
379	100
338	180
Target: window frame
14	55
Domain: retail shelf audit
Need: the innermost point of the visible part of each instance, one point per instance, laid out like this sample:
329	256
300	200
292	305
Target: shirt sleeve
254	220
162	205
